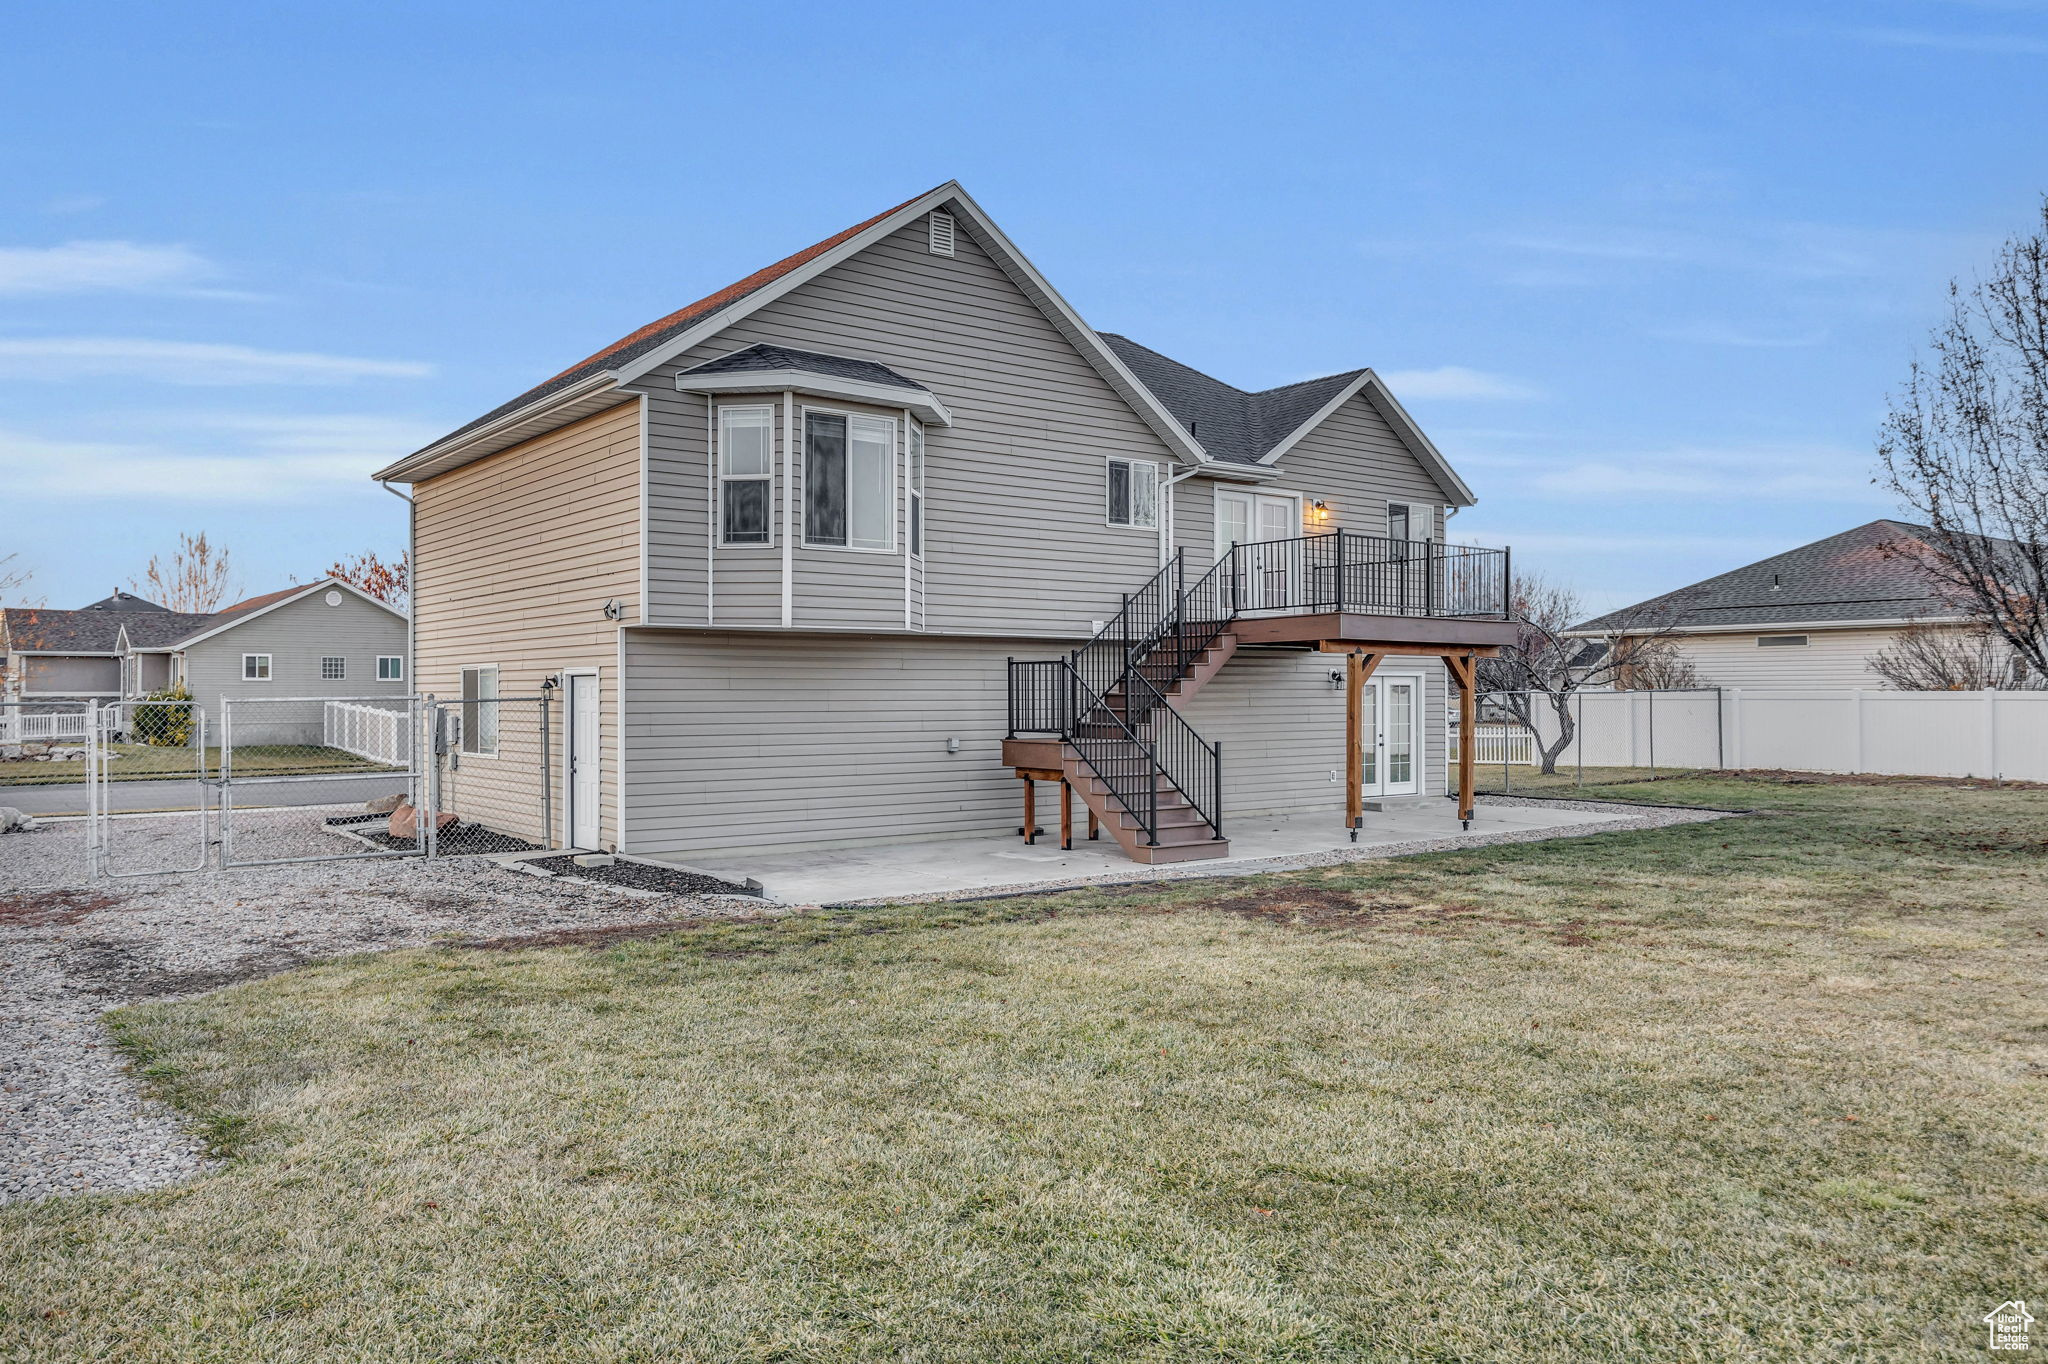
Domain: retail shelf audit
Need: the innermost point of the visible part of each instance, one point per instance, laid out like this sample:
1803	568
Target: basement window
1133	494
1780	641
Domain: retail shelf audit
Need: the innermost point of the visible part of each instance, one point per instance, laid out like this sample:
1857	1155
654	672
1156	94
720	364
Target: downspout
412	575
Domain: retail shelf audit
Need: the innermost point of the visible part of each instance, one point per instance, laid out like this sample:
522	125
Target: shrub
165	726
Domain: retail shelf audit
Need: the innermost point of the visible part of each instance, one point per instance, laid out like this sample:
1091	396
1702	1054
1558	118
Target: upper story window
746	437
849	481
915	461
1133	493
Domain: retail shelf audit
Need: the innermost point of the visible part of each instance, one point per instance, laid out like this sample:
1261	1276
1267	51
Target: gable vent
941	233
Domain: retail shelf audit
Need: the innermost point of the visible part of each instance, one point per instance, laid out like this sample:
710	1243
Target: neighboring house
1811	617
323	639
67	655
779	548
327	639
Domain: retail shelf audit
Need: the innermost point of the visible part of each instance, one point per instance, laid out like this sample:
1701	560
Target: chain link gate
46	773
315	778
149	763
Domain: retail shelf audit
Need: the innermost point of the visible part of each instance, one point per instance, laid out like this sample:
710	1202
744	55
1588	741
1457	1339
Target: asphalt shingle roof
765	357
155	631
1845	577
1230	423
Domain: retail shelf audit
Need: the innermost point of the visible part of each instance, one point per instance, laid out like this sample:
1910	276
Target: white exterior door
584	750
1391	735
1265	576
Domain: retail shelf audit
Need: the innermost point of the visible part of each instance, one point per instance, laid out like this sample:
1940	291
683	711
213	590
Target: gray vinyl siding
297	637
58	675
752	742
1015	533
1353	462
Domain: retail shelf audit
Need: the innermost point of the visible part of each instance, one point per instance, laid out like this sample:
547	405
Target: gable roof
593	384
1858	575
1256	428
254	608
259	602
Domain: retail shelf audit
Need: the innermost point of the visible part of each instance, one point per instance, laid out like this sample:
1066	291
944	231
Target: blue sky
1645	272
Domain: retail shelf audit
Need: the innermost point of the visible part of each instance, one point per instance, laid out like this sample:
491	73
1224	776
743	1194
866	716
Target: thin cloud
1722	334
188	362
98	267
1698	474
2002	44
1455	382
249	460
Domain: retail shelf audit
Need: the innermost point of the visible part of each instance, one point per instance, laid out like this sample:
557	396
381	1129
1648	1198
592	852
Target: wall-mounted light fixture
1336	679
1320	510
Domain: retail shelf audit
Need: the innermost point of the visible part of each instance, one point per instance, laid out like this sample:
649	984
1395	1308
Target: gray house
327	639
837	554
67	655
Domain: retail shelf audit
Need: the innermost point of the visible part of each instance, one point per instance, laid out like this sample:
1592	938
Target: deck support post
1066	815
1358	667
1030	829
1464	671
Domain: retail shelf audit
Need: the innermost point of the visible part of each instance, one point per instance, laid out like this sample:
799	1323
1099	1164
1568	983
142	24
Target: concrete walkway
1005	862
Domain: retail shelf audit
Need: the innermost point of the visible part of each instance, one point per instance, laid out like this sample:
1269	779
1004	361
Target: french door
1391	735
1266	575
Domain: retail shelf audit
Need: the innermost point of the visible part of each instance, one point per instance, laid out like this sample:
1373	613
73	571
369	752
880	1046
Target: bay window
849	481
745	465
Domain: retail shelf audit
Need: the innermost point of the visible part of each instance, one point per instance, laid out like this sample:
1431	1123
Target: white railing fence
373	732
17	727
1995	734
1497	744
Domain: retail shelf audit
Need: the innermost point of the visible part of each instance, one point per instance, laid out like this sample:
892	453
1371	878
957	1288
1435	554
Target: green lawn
1766	1088
149	762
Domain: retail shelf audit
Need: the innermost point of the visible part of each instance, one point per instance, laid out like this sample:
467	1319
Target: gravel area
1638	817
640	876
72	1118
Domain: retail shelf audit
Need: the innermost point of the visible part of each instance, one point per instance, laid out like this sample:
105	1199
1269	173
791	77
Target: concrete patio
1258	843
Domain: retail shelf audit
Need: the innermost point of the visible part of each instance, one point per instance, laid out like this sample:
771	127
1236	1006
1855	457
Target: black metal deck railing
1108	698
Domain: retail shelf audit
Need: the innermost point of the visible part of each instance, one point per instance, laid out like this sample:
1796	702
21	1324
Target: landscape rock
12	820
384	805
405	821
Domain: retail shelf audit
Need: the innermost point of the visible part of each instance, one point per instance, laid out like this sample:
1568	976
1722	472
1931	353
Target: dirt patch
1784	777
1322	908
53	908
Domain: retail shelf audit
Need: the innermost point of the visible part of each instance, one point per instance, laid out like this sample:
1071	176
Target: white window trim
1221	544
496	690
1158	493
1783	641
913	488
803	443
720	478
269	668
399	659
341	675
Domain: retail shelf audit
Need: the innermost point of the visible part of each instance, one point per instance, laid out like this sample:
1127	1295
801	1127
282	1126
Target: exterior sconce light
1321	510
1336	679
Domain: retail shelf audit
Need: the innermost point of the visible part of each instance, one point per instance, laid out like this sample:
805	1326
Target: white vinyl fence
373	732
1496	744
18	727
1996	734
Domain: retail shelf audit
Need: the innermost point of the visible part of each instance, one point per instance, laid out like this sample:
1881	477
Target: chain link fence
492	784
151	762
315	779
45	776
1524	746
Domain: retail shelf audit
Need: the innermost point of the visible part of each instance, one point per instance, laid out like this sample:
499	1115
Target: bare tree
390	583
195	578
1544	667
1926	657
13	577
1966	447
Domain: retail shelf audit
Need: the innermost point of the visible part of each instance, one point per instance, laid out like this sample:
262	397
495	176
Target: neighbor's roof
1846	577
93	629
153	630
758	358
258	603
124	601
1231	423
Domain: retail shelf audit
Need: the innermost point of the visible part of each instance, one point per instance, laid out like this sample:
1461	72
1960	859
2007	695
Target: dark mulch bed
639	876
455	839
